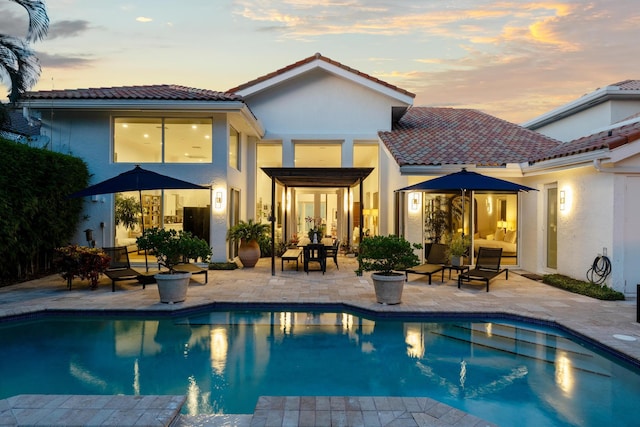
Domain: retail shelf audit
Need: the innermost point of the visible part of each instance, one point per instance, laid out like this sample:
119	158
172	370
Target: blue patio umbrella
464	181
137	179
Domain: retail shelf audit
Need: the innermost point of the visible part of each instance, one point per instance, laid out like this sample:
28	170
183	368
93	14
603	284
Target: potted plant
435	222
195	248
83	262
248	233
382	255
127	212
316	229
458	248
171	248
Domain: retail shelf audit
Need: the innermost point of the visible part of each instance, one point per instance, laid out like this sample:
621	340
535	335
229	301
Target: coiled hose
600	270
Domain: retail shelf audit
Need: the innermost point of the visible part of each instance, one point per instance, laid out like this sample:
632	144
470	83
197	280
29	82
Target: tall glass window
162	140
318	155
268	155
366	156
234	148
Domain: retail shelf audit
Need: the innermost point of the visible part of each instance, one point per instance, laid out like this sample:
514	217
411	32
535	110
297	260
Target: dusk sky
511	59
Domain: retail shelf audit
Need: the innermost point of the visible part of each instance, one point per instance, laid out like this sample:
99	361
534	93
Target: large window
234	148
365	155
162	140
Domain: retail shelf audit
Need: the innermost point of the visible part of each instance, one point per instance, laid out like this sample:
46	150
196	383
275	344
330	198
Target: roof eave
509	170
565	162
149	105
120	104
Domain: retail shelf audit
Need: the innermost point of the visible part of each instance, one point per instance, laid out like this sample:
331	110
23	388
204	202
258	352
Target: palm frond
20	65
38	18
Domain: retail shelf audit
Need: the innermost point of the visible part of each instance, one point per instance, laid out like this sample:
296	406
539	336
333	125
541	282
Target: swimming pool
223	361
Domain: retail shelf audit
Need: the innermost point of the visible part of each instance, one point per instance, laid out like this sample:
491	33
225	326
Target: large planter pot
173	287
249	253
388	288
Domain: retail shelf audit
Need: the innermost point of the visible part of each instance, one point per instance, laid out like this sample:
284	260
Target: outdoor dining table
315	252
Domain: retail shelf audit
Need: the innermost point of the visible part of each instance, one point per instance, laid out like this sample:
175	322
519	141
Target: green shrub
37	216
582	287
223	266
172	247
382	254
83	262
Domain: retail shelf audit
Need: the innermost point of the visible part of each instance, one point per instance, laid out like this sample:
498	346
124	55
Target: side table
458	268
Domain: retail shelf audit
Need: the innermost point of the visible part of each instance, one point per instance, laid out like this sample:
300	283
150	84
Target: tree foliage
18	62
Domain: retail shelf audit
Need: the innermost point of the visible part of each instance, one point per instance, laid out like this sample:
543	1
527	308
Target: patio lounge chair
120	268
436	261
193	269
487	267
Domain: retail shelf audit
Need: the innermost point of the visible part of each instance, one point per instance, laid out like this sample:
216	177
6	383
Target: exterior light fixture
414	202
562	200
218	200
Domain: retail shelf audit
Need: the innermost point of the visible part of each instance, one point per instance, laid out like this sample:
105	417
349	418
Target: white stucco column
288	153
218	223
414	231
347	153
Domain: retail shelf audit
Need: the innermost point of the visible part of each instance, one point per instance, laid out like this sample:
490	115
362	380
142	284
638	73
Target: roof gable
319	61
623	90
427	136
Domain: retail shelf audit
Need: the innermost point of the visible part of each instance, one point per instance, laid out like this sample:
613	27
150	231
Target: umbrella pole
463	194
146	263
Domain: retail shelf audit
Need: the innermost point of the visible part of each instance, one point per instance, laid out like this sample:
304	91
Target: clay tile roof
628	85
437	136
17	124
151	92
608	139
312	58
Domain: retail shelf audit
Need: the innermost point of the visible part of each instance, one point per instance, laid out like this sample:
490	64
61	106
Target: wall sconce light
218	200
414	202
562	200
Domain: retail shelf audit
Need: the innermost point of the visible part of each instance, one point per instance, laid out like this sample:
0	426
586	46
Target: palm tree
17	61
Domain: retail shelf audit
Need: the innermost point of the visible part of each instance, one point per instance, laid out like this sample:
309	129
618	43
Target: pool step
90	410
546	346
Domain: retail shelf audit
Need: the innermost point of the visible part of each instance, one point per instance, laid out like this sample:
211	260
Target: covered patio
312	178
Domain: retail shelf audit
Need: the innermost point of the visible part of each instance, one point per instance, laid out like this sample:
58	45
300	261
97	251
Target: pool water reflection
223	361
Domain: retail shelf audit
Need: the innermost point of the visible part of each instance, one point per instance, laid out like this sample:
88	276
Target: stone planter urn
388	288
173	287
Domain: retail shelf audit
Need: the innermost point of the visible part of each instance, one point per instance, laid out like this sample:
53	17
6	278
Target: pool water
506	372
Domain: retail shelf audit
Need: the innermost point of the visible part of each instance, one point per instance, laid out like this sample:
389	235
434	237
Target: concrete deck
611	324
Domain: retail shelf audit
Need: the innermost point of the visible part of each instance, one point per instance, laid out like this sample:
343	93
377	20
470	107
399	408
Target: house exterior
320	113
597	171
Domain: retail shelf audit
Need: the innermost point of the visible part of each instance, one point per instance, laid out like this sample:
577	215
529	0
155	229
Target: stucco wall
579	124
87	135
321	104
589	121
584	228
